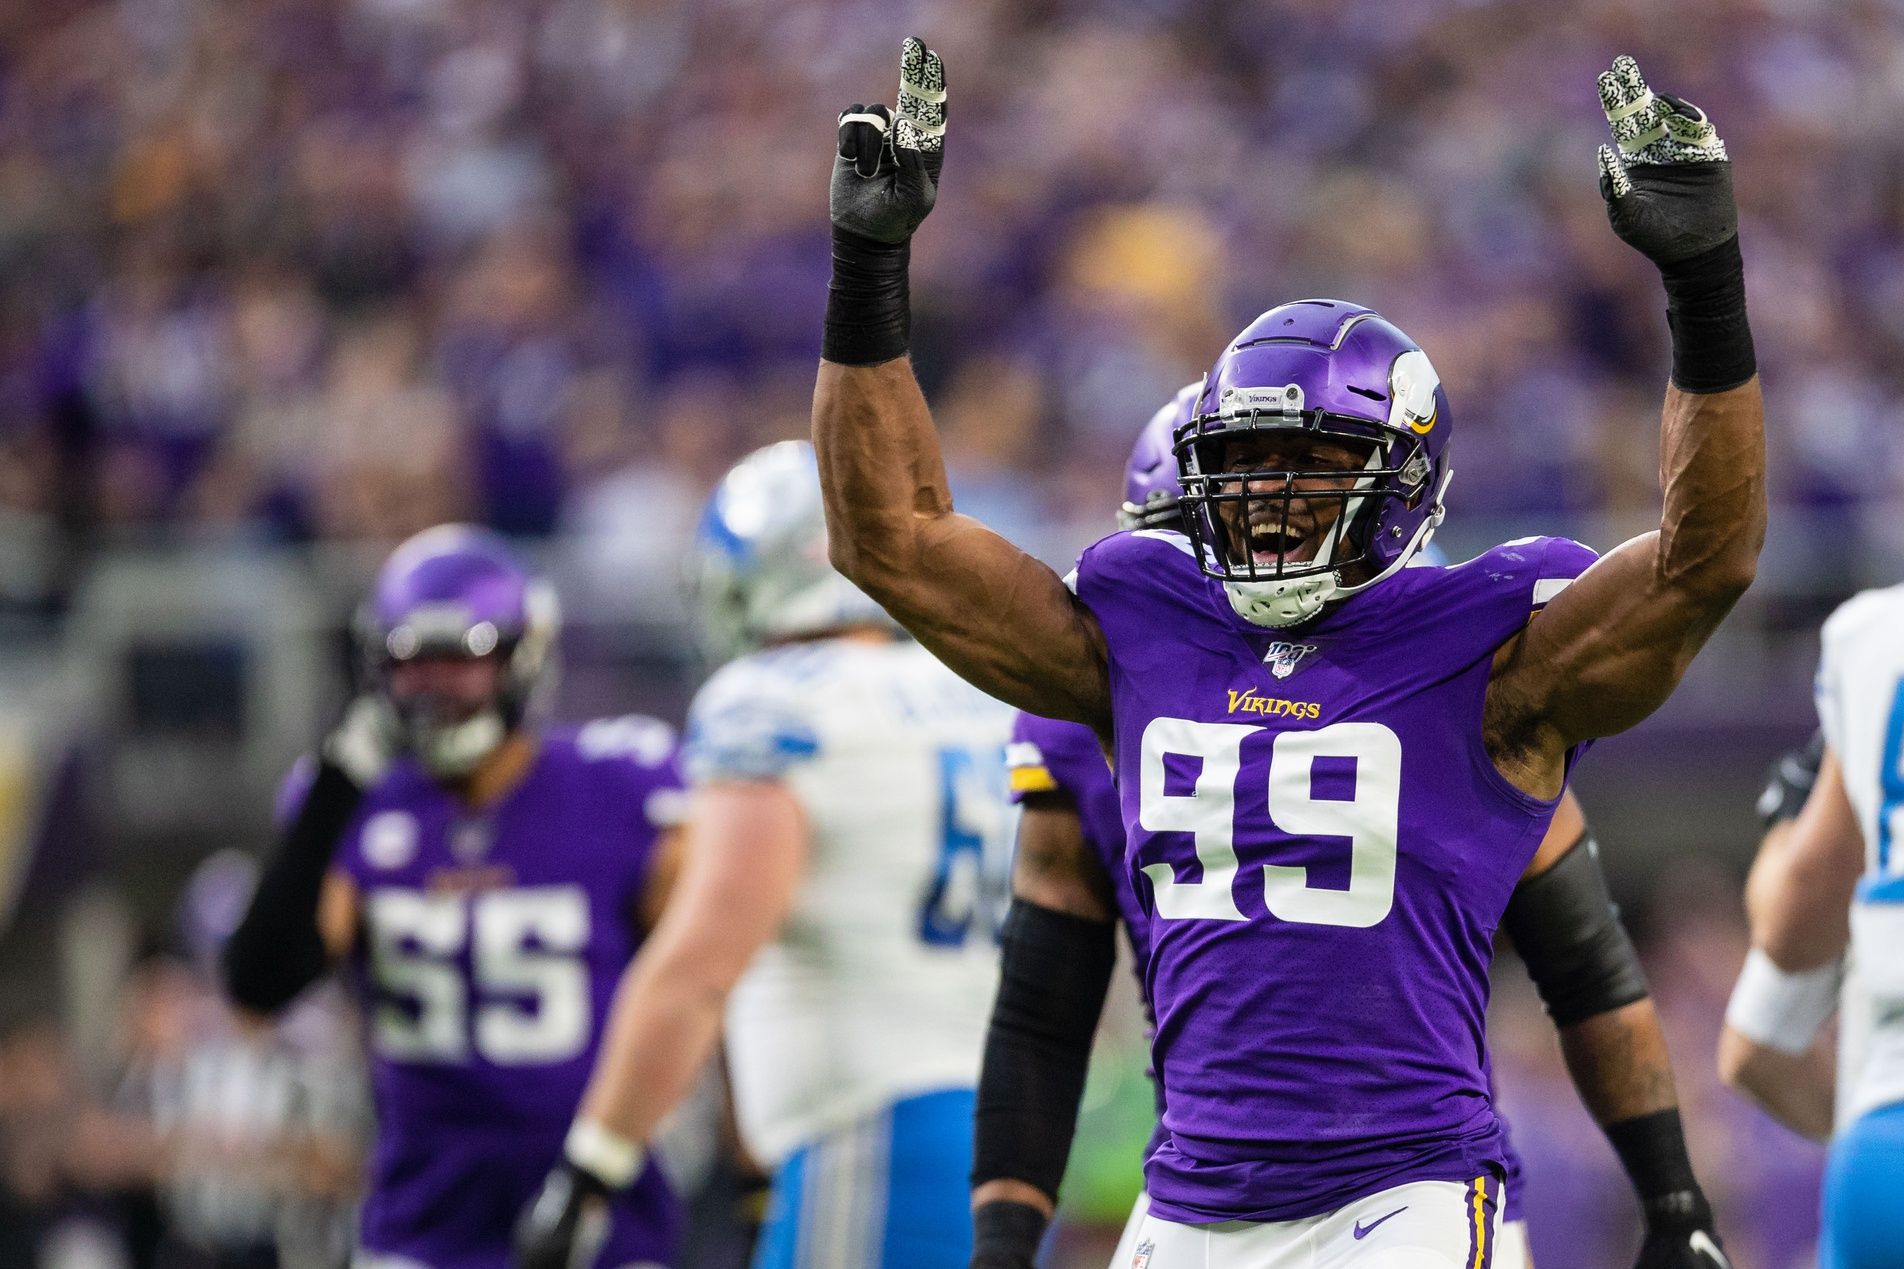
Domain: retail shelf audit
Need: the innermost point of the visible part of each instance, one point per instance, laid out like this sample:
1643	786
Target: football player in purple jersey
1325	868
1561	919
485	878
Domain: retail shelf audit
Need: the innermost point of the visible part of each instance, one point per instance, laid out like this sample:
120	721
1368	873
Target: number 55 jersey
1324	848
491	942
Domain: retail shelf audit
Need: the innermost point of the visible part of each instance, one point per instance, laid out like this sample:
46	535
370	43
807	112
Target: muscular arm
1611	647
991	612
1057	961
744	856
994	614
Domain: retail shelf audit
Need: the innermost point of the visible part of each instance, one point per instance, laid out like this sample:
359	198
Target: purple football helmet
457	591
1343	374
1152	496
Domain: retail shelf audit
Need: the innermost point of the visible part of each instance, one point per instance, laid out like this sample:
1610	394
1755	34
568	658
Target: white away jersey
1861	706
880	985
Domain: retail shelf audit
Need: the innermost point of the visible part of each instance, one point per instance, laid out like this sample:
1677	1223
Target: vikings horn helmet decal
1341	373
760	568
458	591
1152	496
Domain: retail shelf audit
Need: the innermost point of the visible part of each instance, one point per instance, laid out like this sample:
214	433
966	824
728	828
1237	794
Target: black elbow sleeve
1566	928
1052	979
276	951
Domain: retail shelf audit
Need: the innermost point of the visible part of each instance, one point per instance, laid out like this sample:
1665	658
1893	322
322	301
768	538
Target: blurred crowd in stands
343	268
329	271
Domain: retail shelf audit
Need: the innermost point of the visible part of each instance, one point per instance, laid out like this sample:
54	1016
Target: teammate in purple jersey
485	879
1332	768
1561	919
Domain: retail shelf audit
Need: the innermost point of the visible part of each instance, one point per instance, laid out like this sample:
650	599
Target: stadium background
281	282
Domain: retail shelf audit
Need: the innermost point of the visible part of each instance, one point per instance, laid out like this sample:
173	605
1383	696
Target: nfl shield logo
1283	658
1142	1259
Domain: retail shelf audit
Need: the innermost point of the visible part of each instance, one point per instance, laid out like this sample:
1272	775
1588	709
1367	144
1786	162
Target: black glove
1680	1234
1668	191
1668	188
886	175
885	180
567	1223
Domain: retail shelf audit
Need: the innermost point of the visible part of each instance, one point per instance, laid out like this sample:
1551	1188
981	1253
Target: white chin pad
1288	602
455	751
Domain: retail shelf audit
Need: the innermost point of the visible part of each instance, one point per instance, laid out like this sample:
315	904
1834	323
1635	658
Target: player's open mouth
1271	544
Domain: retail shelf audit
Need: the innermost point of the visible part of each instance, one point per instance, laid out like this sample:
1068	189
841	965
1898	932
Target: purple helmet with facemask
1341	374
1151	492
458	591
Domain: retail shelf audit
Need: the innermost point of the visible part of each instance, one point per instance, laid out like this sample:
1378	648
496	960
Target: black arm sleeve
1055	971
1566	928
276	951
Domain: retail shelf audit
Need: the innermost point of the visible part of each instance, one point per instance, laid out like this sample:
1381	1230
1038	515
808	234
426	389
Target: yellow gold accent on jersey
1248	702
1033	780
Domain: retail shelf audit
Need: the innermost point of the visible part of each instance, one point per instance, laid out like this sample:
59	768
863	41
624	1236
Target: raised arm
994	614
1609	650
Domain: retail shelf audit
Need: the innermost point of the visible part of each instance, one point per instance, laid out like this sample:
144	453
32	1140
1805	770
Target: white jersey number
524	946
1369	819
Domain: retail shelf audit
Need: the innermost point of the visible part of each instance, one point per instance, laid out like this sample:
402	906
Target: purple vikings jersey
491	944
1325	849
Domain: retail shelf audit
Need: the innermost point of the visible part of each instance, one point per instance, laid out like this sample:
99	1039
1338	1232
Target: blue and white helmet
760	570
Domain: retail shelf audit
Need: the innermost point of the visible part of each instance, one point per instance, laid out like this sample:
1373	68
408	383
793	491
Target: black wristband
868	303
1652	1149
276	951
1705	307
1006	1234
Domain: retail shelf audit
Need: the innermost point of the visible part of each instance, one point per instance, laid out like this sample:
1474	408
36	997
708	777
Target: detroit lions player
486	878
849	807
1325	869
1071	841
1827	910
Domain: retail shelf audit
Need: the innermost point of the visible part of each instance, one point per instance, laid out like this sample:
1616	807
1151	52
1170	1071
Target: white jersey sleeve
880	984
1860	691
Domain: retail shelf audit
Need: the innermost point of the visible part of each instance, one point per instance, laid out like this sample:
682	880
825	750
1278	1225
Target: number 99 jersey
1325	849
880	984
1861	709
490	946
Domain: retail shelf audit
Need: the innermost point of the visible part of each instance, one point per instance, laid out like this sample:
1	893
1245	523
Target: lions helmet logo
1283	658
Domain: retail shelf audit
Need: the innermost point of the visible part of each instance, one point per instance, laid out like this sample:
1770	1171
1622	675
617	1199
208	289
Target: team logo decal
1142	1259
1411	387
1283	658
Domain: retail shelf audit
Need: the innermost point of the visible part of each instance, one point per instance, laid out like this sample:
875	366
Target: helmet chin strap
1288	602
455	750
